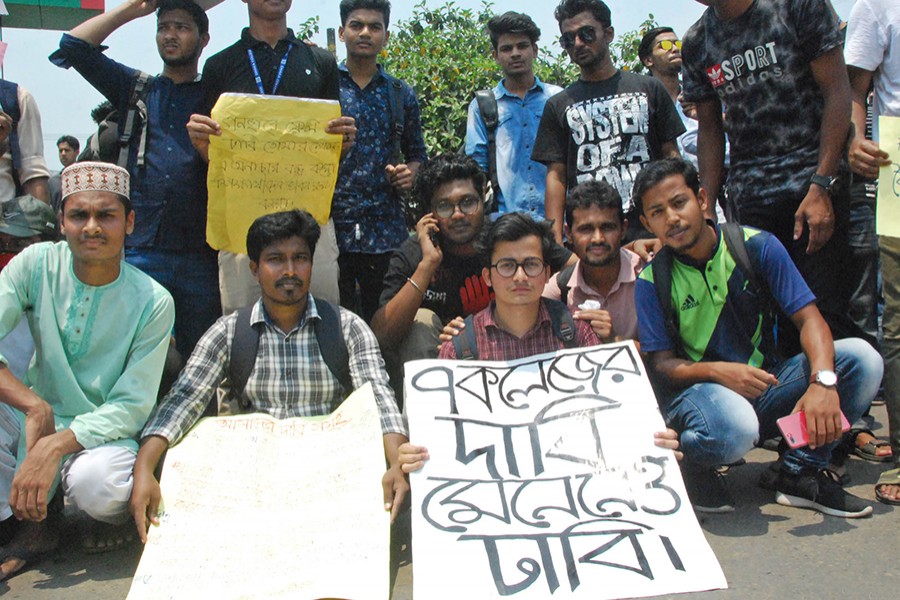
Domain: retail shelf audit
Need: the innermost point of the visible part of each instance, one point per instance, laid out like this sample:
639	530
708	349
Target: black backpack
245	345
487	106
466	345
562	280
733	236
111	143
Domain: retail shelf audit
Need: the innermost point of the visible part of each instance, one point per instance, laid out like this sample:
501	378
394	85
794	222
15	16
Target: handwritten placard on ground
273	155
255	507
888	212
544	482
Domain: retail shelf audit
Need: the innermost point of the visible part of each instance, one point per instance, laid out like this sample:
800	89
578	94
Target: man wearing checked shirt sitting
290	377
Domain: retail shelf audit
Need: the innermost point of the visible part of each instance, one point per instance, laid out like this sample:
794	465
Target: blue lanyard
259	83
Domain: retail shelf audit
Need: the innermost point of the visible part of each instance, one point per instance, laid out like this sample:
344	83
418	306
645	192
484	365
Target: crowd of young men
597	164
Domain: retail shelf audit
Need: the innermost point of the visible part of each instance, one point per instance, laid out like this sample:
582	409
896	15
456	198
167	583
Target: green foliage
307	29
624	47
444	53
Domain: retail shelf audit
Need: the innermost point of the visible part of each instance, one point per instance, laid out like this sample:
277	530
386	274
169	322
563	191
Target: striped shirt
290	377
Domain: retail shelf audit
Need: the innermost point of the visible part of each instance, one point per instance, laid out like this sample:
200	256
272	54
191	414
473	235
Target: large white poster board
255	507
544	481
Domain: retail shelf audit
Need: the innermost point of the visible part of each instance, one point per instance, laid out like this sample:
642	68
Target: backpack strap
662	282
136	106
332	344
398	118
244	348
9	100
487	106
562	280
733	234
465	345
563	322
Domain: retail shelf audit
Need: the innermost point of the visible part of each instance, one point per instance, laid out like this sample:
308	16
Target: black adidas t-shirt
759	66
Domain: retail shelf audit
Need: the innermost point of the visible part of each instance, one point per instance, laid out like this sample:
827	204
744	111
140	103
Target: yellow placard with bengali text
273	155
888	213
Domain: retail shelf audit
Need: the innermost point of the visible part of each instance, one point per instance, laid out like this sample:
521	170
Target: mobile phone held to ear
793	428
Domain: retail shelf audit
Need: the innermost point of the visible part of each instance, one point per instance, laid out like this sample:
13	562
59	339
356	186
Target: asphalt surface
766	550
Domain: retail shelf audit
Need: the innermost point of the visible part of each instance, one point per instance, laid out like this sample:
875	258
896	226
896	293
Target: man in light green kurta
101	330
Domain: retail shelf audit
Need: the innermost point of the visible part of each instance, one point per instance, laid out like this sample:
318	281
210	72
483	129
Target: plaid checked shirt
496	344
290	378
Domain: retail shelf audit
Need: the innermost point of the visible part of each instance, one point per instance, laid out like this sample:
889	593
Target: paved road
767	551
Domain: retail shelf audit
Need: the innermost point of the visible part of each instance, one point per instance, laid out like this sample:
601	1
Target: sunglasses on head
587	33
669	44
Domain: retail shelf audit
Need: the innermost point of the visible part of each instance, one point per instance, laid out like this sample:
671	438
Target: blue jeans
718	426
193	280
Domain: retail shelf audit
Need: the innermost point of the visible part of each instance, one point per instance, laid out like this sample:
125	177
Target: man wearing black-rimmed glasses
606	125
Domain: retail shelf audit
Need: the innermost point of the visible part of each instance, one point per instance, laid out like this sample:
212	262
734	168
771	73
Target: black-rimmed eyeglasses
507	267
467	206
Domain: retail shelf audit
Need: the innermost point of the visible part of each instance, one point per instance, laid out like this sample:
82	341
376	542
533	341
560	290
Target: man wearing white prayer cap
101	329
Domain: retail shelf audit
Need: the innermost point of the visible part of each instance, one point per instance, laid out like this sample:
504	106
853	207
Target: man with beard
168	177
599	288
605	126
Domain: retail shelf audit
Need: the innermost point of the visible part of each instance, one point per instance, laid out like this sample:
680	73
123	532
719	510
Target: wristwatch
824	378
824	181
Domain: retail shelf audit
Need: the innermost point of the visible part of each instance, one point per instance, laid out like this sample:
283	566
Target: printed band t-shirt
607	130
758	65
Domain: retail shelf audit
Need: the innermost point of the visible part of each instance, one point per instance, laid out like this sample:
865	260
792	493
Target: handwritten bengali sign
273	155
888	212
256	507
544	482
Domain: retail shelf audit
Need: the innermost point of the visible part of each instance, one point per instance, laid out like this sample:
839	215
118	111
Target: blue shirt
719	316
169	191
367	211
522	180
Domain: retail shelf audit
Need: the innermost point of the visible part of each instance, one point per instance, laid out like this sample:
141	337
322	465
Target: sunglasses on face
507	267
466	206
587	33
669	44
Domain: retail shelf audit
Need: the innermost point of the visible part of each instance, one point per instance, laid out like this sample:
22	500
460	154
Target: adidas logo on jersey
689	303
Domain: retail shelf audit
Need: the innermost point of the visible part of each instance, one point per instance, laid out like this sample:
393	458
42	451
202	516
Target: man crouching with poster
518	323
705	305
297	373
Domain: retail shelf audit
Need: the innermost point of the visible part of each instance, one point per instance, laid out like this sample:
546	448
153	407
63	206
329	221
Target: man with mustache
290	376
710	354
168	177
599	288
101	329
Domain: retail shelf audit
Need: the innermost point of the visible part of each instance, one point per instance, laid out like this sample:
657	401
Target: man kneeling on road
518	323
710	349
292	376
101	330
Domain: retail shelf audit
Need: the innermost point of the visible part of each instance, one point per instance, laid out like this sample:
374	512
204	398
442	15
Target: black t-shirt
308	73
458	290
607	129
758	64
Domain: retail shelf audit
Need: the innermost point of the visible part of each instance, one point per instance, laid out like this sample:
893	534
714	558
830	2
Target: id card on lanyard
256	75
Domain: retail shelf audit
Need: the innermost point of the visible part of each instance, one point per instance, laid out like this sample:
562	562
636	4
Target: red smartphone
793	428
